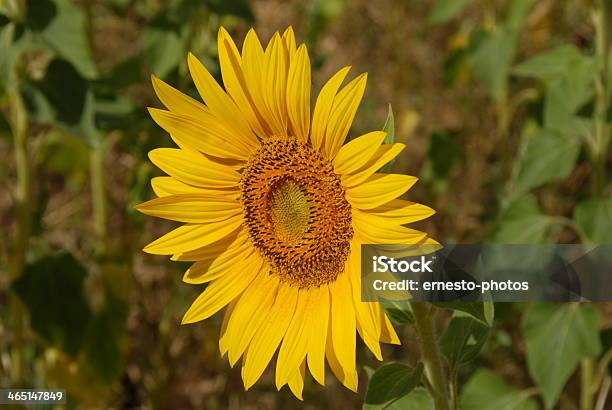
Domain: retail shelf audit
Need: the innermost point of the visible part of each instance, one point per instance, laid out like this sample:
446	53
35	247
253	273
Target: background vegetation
505	110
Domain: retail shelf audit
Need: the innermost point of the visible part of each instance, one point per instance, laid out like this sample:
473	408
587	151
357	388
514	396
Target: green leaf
522	222
517	12
104	334
558	336
492	58
417	399
481	311
239	8
549	64
65	90
38	17
444	152
66	35
594	216
399	312
487	390
462	341
445	10
389	128
547	157
163	49
391	382
52	290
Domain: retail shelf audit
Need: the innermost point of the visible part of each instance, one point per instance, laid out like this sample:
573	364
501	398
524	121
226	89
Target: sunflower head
275	207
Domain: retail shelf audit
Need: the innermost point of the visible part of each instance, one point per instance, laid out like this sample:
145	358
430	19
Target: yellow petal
252	67
402	212
193	168
296	381
275	80
268	336
383	155
342	113
192	236
298	94
289	42
375	229
356	153
365	324
293	349
378	190
223	339
165	186
223	290
212	250
218	102
343	330
387	332
205	134
210	269
316	322
323	108
235	82
250	313
176	101
192	208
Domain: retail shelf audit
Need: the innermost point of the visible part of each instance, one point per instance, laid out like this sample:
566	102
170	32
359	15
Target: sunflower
275	207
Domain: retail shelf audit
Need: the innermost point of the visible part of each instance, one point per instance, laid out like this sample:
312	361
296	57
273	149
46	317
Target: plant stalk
586	384
601	18
98	196
430	353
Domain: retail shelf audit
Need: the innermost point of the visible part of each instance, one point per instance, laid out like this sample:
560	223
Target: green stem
430	354
18	120
98	196
600	148
586	383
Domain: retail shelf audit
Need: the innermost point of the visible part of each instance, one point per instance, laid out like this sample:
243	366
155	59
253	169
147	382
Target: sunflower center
289	210
296	212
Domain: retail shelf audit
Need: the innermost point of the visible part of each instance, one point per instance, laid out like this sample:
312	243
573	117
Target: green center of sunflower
289	210
296	212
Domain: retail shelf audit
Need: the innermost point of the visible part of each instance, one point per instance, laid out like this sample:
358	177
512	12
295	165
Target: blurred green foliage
512	144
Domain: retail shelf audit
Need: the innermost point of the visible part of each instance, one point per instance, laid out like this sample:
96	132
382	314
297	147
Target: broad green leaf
66	35
417	399
391	382
487	390
163	49
40	15
52	290
444	152
399	312
481	311
558	336
462	341
65	90
522	222
104	335
594	216
239	8
549	64
445	10
547	157
492	58
517	13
